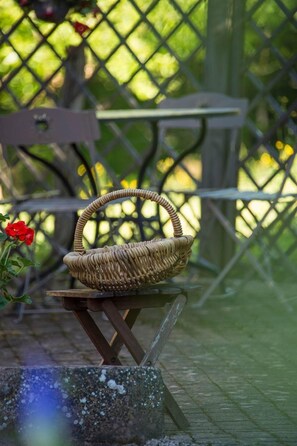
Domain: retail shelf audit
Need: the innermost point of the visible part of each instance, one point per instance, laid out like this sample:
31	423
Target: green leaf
6	297
4	217
3	302
3	236
24	262
25	298
15	262
3	267
11	271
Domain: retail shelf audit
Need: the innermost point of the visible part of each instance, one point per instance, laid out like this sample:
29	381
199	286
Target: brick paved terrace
231	364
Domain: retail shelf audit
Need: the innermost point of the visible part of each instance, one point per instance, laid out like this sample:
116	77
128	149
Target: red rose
16	229
28	237
80	28
20	231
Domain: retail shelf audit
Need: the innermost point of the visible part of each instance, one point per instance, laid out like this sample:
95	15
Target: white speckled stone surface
77	405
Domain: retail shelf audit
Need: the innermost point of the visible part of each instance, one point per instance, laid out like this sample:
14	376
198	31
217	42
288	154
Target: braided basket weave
132	265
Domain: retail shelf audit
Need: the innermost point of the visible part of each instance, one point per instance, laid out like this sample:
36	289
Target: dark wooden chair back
220	130
206	99
48	161
33	146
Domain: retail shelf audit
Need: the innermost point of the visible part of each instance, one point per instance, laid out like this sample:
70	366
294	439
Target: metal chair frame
214	197
204	129
32	138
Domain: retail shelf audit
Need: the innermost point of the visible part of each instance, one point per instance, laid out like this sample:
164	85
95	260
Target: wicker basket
132	265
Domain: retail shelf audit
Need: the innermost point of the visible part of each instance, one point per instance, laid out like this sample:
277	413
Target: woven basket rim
128	247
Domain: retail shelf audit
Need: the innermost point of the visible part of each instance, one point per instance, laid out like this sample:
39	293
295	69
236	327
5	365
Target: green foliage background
139	52
128	23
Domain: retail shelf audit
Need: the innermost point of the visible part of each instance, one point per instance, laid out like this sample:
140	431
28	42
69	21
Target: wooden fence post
224	53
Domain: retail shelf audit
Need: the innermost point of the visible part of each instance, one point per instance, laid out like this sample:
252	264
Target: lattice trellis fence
270	82
131	57
135	53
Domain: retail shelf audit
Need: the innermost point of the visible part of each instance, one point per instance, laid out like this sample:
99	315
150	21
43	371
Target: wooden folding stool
82	301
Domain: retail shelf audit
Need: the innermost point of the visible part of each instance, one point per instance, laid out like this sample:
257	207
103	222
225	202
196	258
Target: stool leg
154	351
175	411
164	331
108	354
129	317
141	358
122	329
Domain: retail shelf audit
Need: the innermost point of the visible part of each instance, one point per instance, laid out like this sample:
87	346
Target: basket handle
141	193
